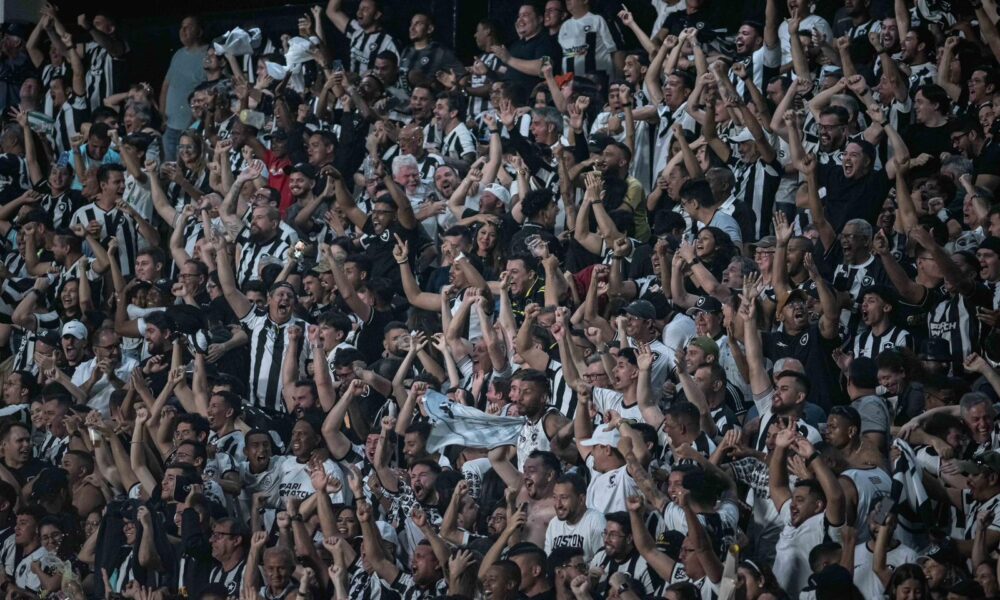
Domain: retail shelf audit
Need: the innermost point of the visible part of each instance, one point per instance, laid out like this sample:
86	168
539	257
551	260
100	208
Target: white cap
603	437
75	329
502	193
741	135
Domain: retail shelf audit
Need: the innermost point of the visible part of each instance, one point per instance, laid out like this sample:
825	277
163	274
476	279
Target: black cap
935	349
50	337
643	309
50	482
305	168
944	553
834	576
598	142
669	542
709	304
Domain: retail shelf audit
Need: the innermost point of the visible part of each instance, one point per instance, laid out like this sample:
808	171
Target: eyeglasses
612	535
593	376
218	534
52	537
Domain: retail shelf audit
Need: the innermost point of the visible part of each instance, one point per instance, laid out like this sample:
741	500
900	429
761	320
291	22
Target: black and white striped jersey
104	73
24	356
852	279
756	186
199	179
366	46
73	113
563	395
232	579
114	223
267	349
61	207
50	72
479	105
869	344
763	64
458	142
251	254
954	319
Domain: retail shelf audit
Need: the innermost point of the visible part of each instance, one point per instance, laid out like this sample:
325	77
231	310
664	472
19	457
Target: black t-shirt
932	140
988	161
371	335
29	471
378	248
532	49
846	199
814	352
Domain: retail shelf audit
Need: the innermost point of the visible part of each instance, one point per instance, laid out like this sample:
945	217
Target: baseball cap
76	329
765	243
707	345
305	168
944	553
502	193
987	461
709	304
598	142
603	437
741	135
643	309
992	244
49	336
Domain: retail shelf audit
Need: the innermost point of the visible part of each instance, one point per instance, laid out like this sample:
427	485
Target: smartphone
338	65
546	61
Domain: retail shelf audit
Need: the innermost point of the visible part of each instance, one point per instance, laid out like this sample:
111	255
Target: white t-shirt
607	491
293	480
587	45
791	563
865	578
587	534
606	400
100	394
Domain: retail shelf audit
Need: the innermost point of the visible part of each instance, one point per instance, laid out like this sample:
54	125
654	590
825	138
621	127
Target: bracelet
402	262
812	457
496	131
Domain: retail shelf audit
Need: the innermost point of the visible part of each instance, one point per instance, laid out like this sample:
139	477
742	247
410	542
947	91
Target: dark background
151	27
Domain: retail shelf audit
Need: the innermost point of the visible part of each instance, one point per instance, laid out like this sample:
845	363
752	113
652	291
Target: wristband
297	517
812	457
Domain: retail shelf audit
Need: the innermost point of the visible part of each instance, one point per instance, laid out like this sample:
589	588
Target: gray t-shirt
874	411
185	73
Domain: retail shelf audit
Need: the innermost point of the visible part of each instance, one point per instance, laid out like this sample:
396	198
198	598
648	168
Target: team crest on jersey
867	280
804	340
586	27
372	46
888	345
656	356
425	60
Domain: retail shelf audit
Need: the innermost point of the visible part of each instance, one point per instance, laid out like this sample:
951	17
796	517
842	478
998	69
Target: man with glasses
229	541
619	555
968	138
108	371
553	17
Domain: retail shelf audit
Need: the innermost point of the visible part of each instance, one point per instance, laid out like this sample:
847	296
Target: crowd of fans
700	308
